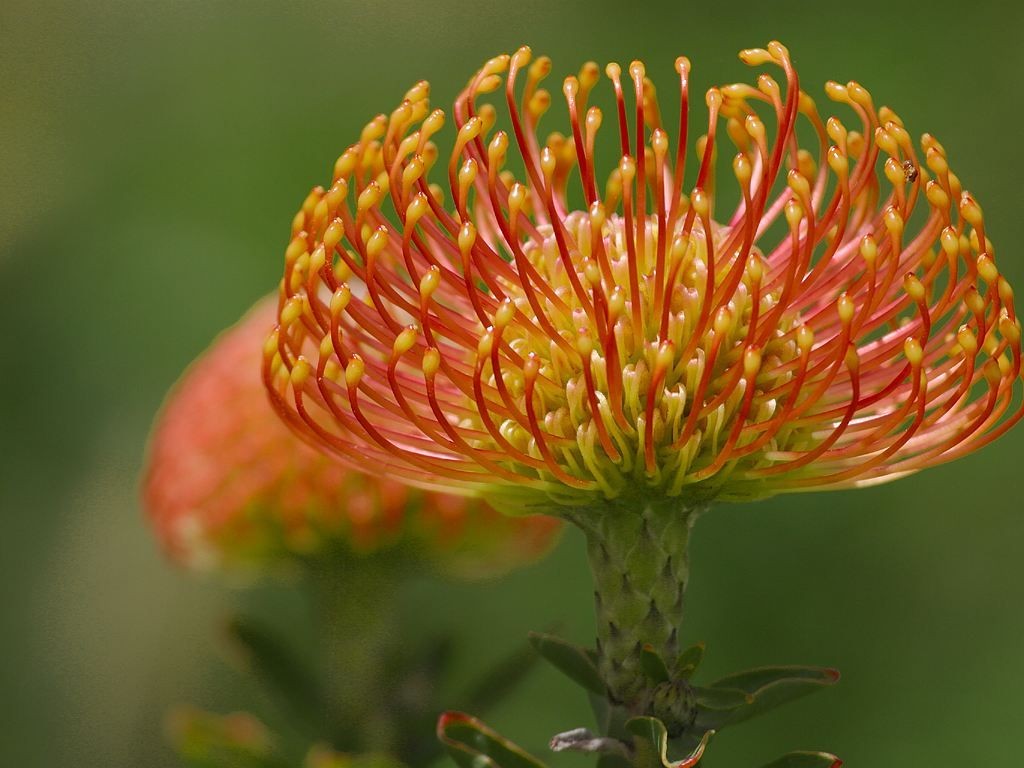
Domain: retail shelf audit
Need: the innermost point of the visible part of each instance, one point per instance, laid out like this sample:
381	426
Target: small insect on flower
226	484
534	334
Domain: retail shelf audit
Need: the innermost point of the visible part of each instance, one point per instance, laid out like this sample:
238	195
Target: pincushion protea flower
625	353
227	484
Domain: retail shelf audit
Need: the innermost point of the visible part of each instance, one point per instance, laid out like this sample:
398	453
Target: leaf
764	688
324	756
500	680
207	740
689	660
278	668
652	746
571	660
716	707
431	661
806	760
726	699
753	680
653	665
474	745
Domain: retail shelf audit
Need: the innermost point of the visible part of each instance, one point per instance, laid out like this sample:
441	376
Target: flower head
534	333
227	484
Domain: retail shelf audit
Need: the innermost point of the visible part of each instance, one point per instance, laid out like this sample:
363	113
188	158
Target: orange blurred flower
227	484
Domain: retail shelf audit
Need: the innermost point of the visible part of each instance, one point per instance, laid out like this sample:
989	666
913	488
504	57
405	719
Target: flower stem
638	556
355	603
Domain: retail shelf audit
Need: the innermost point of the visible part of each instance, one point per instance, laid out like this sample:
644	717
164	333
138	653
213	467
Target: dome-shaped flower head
226	484
541	328
592	320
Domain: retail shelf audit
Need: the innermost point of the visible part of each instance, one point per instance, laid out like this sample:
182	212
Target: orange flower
536	339
227	484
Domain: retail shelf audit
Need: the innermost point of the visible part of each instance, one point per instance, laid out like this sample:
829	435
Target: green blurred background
152	155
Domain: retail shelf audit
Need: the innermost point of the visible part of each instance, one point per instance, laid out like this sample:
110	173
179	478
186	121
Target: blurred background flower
149	152
228	485
228	488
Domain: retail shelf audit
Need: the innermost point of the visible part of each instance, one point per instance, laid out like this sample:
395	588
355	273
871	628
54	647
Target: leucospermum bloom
227	484
557	335
844	325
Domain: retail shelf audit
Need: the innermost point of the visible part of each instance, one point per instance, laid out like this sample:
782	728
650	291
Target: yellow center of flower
640	373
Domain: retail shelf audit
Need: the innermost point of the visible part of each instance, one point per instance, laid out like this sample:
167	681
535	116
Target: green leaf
651	742
753	680
716	707
322	756
806	760
208	740
689	660
571	660
474	745
764	689
653	665
279	669
500	680
726	699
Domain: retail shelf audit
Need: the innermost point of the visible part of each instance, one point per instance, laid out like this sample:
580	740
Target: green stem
356	607
638	556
